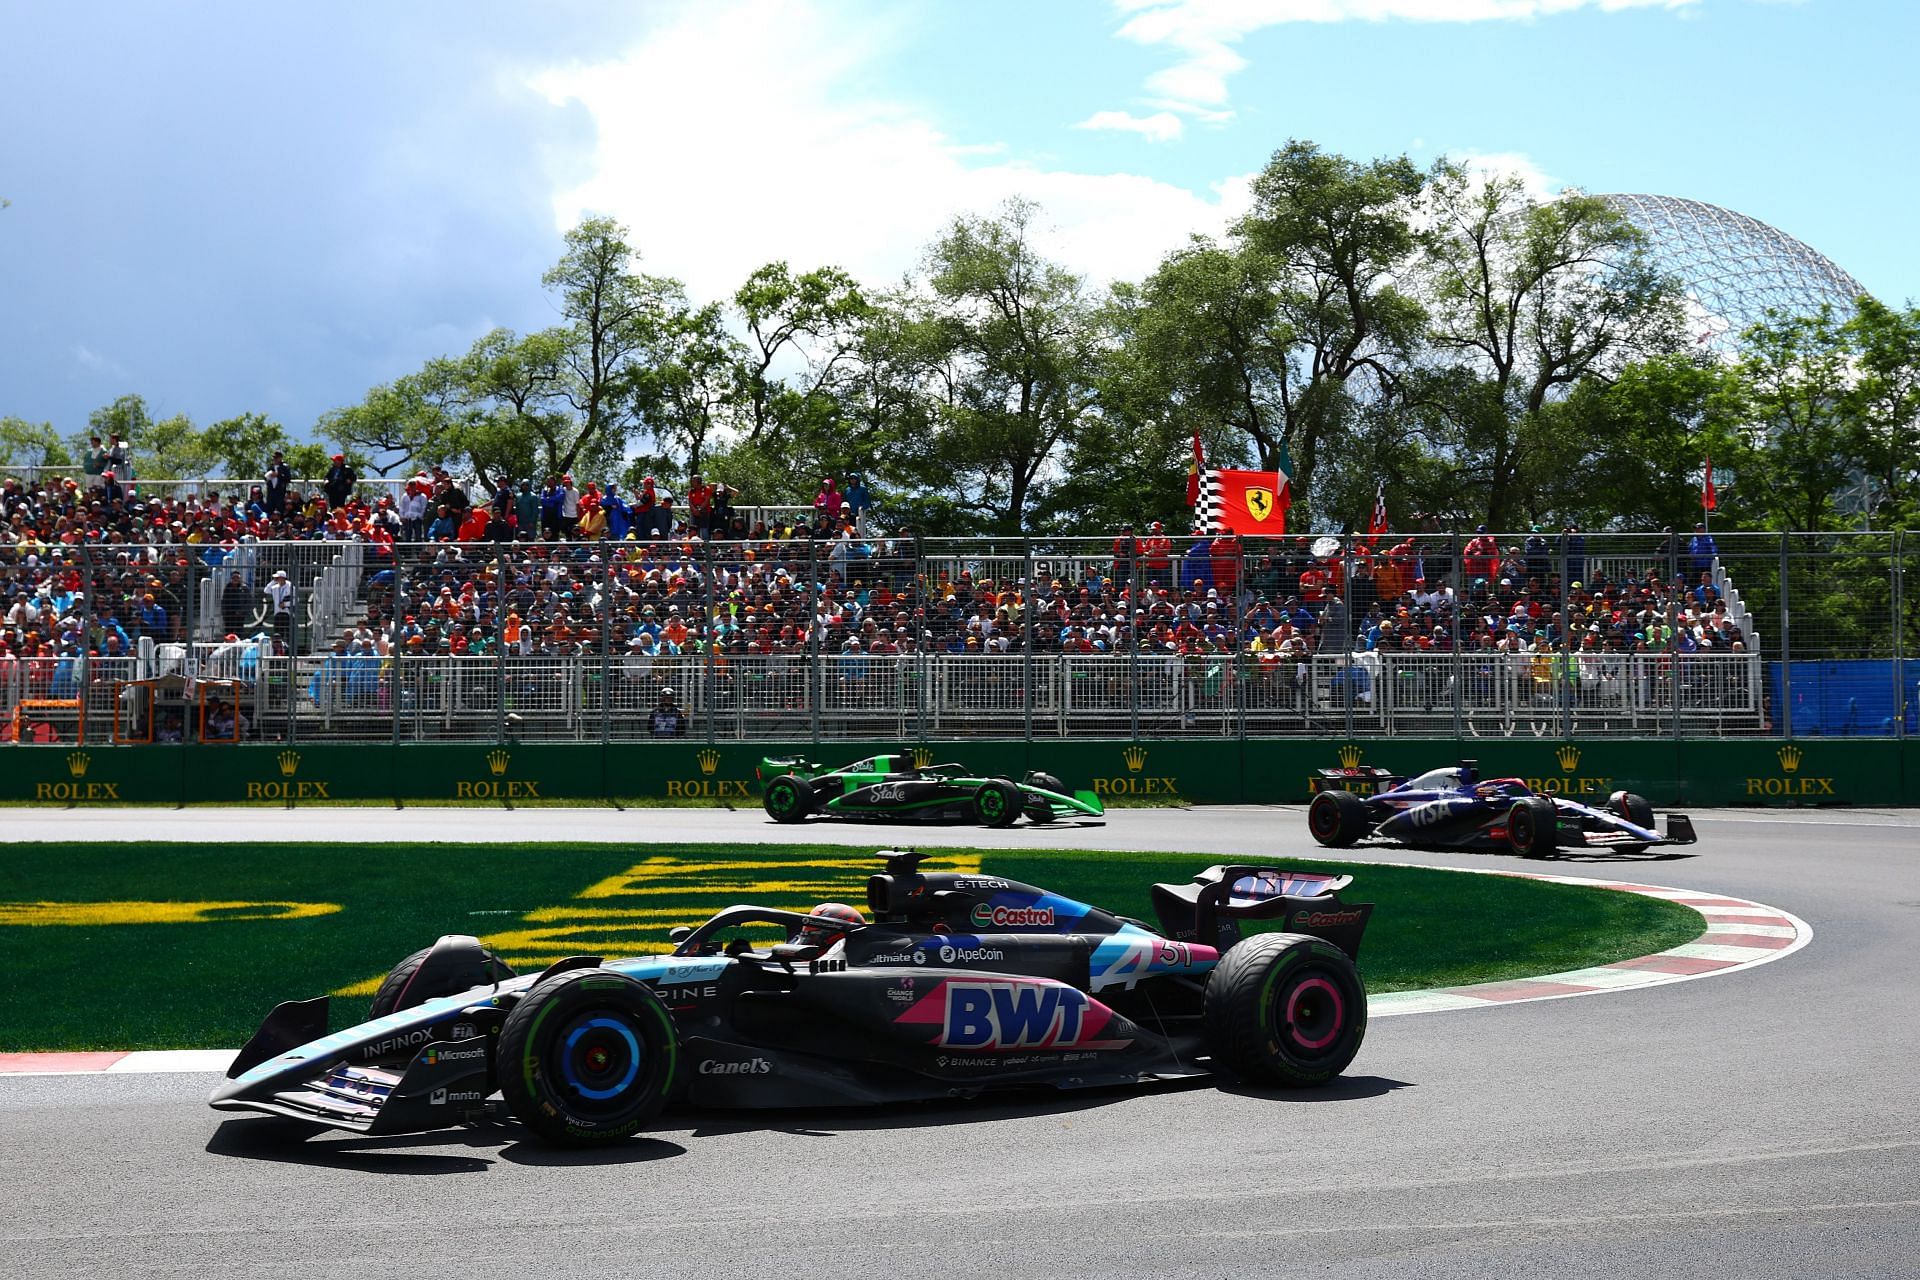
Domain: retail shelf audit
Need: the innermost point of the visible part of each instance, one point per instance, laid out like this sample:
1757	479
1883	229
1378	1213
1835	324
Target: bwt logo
1006	1016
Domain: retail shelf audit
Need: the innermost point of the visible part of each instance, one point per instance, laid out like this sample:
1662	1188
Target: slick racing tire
589	1056
1533	828
1047	782
1337	818
1285	1009
788	799
1635	809
398	990
997	803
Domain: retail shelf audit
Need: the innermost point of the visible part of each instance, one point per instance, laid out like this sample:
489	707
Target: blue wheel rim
597	1050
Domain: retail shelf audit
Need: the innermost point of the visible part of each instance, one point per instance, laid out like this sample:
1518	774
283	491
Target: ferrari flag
1246	502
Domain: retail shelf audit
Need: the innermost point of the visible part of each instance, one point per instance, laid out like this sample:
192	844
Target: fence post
1898	590
1026	638
815	685
1564	661
396	647
1786	643
1457	576
86	646
1134	618
504	568
1346	637
713	638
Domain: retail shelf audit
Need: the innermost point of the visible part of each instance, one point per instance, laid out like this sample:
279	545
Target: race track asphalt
1761	1124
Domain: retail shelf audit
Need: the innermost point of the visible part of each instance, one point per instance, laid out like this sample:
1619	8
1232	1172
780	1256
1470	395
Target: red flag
1251	502
1708	499
1193	472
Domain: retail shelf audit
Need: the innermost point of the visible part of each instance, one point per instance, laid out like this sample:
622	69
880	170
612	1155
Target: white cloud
1161	126
1202	33
1533	180
730	137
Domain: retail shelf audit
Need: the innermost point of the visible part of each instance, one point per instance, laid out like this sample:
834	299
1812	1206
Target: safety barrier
1741	772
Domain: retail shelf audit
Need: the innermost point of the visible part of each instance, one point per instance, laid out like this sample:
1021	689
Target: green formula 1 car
892	788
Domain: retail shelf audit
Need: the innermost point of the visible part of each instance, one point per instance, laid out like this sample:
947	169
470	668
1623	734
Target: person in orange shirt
1156	555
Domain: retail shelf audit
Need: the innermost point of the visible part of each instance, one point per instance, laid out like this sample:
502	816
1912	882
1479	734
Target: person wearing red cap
340	481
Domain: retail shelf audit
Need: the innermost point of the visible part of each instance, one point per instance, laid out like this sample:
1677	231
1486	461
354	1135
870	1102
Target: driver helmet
817	933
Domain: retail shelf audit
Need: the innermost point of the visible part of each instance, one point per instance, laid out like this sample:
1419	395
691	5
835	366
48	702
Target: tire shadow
283	1141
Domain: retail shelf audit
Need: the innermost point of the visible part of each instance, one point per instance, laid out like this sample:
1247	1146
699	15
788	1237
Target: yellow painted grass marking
90	914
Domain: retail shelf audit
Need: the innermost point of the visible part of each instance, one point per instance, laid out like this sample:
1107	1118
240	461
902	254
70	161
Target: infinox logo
991	917
1793	786
499	786
1135	783
78	762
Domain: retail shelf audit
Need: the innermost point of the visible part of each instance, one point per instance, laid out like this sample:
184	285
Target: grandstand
189	619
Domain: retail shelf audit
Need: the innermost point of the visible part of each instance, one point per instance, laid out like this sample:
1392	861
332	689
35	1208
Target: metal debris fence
1567	636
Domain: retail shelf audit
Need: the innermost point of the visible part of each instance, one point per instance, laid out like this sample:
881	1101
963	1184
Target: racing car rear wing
1209	910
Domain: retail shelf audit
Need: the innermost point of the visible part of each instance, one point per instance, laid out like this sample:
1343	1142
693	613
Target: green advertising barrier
1818	771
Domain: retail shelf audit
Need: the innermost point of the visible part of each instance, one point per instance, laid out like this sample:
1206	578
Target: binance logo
77	763
1136	758
497	762
709	760
1790	757
1350	756
289	763
1569	758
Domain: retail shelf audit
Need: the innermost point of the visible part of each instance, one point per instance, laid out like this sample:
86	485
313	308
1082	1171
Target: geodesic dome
1735	268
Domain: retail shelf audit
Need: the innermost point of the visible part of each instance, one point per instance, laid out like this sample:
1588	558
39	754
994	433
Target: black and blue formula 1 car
1453	808
892	788
957	985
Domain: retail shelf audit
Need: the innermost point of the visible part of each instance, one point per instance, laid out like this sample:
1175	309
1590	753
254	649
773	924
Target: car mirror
679	935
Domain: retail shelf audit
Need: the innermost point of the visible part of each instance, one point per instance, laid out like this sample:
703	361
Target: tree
690	385
1529	298
1885	404
1010	366
613	314
242	446
816	317
1802	436
32	444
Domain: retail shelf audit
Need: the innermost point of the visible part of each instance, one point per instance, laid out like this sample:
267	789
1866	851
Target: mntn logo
1011	1016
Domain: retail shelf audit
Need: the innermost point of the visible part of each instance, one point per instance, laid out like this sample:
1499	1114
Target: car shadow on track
1020	1104
294	1142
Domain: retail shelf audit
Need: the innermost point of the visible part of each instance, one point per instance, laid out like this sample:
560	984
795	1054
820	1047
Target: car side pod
289	1026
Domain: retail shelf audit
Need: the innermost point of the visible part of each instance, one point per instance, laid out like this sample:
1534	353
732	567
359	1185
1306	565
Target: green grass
209	981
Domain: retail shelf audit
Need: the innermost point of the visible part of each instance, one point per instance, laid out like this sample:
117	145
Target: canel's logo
289	763
709	760
1569	758
1350	756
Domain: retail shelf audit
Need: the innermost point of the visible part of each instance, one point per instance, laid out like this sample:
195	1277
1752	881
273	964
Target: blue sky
230	207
